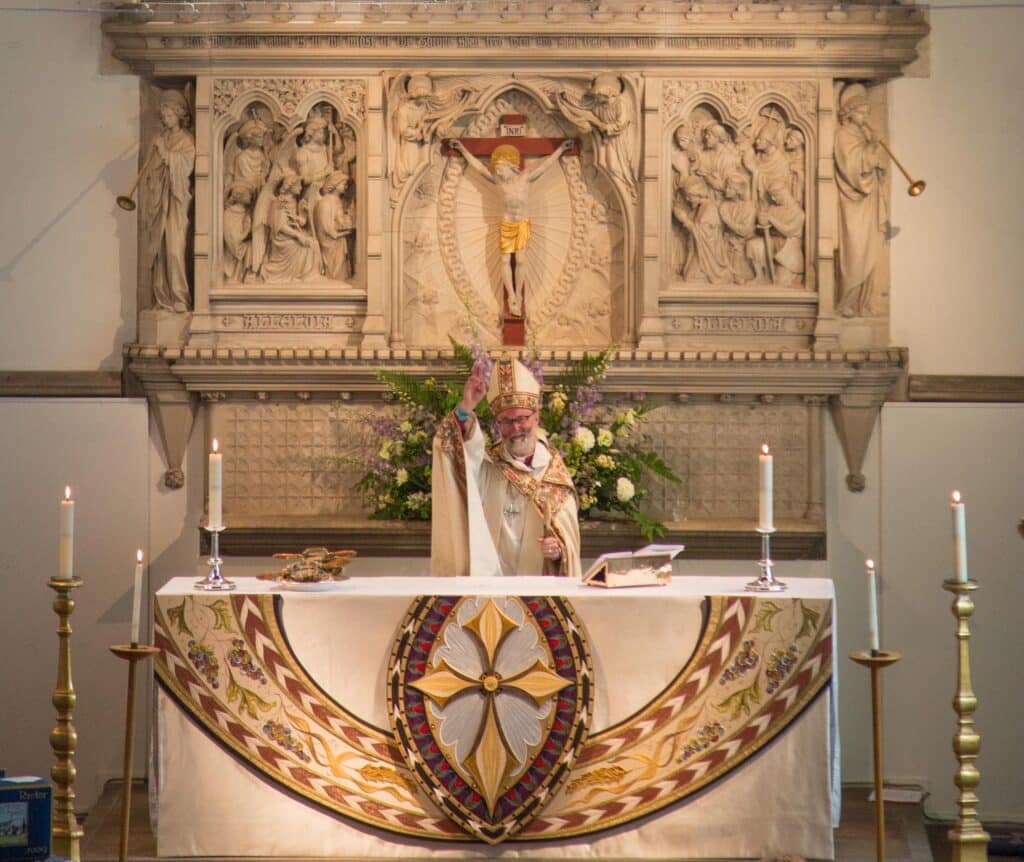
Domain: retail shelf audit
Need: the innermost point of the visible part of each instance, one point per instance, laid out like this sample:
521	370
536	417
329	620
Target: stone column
826	329
815	510
648	324
376	327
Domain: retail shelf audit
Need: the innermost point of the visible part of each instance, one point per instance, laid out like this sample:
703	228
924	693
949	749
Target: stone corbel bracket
855	384
150	373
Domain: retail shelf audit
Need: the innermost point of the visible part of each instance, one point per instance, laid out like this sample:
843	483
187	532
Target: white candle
216	487
137	598
869	567
766	497
67	536
959	537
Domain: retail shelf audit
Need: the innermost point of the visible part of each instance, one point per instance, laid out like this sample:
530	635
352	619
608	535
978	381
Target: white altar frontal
519	718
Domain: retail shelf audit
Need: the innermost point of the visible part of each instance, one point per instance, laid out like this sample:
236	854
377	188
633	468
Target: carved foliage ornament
289	92
737	95
491	700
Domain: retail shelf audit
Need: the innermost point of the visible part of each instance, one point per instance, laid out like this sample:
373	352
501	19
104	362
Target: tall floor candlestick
67	834
878	660
132	653
968	838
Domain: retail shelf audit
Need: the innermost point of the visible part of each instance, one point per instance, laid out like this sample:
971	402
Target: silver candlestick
766	583
214	581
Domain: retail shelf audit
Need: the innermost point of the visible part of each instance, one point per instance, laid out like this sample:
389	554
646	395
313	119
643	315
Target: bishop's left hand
550	549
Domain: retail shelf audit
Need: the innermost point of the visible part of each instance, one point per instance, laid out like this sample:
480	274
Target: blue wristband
461	414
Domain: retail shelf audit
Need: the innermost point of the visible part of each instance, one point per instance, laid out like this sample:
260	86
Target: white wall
69	146
99	447
929	450
957	301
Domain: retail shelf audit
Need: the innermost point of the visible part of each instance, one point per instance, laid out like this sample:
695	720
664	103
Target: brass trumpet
127	202
916	187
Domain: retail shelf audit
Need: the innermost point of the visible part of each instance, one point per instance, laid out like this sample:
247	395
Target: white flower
624	489
586	501
556	401
604	462
405	427
401	477
628	419
584	438
604	437
385	451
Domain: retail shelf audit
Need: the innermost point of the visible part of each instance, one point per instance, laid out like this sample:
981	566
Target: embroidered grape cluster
205	661
282	735
240	658
745	660
780	664
707	736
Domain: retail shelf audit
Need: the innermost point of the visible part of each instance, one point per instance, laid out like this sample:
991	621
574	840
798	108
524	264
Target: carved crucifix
506	154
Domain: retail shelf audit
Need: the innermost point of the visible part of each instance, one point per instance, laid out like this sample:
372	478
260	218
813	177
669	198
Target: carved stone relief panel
739	183
165	199
580	213
290	171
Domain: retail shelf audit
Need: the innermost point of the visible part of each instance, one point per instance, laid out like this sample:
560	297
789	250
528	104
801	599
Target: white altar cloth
778	801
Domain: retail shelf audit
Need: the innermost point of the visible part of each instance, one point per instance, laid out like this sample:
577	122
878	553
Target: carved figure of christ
512	182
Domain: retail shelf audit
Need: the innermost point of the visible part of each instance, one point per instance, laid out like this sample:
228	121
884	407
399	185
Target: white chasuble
490	510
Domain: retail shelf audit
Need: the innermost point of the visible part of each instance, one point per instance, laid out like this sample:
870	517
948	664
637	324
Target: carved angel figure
863	203
168	194
421	112
606	112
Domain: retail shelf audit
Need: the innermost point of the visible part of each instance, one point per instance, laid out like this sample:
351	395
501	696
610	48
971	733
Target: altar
385	718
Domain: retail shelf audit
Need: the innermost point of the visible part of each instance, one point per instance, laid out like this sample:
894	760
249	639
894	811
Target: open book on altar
651	566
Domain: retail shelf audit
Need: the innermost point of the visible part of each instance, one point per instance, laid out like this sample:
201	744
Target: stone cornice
855	41
857	376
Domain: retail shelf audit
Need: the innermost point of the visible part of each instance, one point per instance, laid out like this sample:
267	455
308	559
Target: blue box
25	817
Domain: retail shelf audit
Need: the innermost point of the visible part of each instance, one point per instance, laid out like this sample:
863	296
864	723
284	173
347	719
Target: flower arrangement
600	446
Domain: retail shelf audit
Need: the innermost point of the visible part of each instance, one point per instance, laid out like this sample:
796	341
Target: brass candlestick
67	834
132	653
877	660
968	838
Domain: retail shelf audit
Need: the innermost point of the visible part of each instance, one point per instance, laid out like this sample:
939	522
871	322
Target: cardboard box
25	816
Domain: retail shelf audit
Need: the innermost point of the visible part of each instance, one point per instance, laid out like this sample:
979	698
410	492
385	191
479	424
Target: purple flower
480	355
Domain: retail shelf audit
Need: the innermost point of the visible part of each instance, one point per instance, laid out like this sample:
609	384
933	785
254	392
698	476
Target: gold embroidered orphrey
228	663
491	699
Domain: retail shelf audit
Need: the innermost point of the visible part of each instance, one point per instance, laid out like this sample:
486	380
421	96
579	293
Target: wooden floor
907	839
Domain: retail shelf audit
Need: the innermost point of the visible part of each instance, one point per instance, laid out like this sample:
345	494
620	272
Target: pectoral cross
507	154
